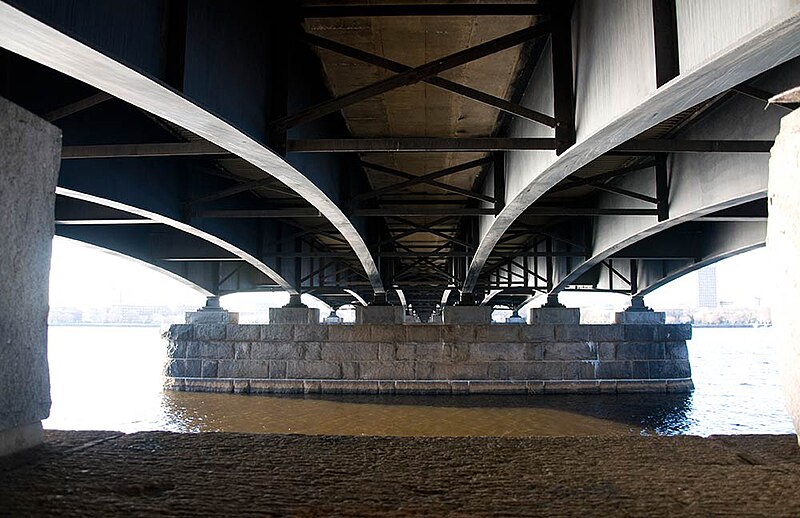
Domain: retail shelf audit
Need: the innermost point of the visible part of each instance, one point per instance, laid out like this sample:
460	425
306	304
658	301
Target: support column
516	318
553	312
212	313
380	311
638	313
295	312
783	245
333	318
467	312
30	156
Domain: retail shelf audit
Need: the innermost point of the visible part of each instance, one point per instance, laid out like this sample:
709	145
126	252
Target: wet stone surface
225	474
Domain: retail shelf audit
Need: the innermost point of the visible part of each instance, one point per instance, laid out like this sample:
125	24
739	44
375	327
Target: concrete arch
250	259
699	184
613	247
150	266
699	265
614	108
28	37
683	248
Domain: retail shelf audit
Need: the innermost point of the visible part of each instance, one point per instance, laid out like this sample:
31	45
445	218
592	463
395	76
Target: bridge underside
434	153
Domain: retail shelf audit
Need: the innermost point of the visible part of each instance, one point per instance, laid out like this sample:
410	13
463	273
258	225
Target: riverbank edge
427	387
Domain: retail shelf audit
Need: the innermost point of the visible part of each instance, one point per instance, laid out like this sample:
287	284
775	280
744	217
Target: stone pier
783	244
429	358
30	154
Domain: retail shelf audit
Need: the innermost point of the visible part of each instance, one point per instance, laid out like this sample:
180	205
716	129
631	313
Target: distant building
707	287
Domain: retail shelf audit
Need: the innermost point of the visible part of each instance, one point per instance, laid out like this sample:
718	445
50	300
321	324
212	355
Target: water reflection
426	415
109	378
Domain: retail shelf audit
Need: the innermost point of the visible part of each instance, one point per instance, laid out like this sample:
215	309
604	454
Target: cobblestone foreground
225	474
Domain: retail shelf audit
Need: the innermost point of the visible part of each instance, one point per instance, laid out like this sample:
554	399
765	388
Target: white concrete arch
150	266
616	92
28	37
698	265
699	184
238	252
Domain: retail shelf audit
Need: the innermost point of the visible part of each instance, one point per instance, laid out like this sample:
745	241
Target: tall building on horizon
707	287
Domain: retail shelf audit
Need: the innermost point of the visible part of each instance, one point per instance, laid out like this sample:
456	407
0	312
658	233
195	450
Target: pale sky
86	276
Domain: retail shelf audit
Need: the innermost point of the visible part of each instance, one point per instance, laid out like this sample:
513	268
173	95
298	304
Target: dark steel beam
123	221
613	271
733	218
519	290
416	246
176	15
438	269
420	201
534	253
625	192
419	145
761	95
655	257
429	230
563	95
665	35
413	230
590	211
77	106
303	232
199	148
426	178
200	259
225	193
499	182
277	101
268	213
415	75
662	188
410	211
541	230
752	211
650	146
358	11
580	182
440	82
344	254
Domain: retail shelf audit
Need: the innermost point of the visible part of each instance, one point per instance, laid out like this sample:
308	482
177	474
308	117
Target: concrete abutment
783	244
30	154
429	358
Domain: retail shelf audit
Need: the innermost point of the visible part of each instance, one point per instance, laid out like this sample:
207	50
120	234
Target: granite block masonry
783	246
30	157
429	358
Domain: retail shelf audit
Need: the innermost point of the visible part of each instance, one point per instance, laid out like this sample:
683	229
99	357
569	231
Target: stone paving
225	474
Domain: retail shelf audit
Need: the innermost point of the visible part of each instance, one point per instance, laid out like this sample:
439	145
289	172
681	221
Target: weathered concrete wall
614	70
699	23
30	153
615	61
521	165
783	244
429	358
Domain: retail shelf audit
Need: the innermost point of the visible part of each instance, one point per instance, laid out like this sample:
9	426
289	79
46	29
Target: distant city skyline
85	276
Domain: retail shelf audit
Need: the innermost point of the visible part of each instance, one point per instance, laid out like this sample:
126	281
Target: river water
109	378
